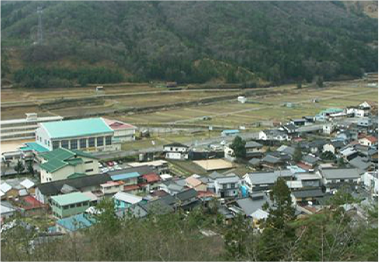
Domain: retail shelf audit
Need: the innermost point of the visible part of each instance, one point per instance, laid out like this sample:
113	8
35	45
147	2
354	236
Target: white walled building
370	180
90	134
176	151
18	129
62	163
122	131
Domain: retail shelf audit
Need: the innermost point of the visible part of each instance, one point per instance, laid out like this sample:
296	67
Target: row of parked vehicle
110	166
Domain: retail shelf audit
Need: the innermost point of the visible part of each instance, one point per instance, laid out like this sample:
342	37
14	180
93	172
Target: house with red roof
368	141
122	131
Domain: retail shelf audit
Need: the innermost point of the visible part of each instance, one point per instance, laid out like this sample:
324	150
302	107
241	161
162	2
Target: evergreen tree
278	234
30	168
238	147
19	168
320	81
298	155
4	63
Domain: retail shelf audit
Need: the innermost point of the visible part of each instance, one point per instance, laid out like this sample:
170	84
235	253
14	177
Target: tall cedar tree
298	155
277	233
238	147
19	168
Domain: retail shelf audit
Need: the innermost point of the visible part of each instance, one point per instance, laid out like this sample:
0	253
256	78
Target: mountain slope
276	41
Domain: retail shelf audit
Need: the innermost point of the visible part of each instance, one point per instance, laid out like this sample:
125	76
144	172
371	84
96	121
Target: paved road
123	94
205	142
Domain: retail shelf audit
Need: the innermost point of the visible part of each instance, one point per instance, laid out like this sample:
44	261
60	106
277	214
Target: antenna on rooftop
40	31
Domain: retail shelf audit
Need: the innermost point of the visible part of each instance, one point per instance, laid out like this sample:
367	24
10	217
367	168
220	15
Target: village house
227	186
81	184
309	160
304	196
186	199
253	204
362	163
253	149
124	200
368	141
273	134
348	153
328	128
364	122
128	177
195	183
355	111
291	129
6	210
370	181
71	224
259	181
333	146
309	180
298	122
366	107
112	187
334	178
69	204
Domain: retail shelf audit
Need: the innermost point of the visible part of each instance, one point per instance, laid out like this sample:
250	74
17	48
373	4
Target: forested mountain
188	42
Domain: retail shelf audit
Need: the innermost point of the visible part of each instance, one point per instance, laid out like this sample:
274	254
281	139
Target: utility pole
40	31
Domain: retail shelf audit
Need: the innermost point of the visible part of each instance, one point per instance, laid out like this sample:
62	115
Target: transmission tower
40	31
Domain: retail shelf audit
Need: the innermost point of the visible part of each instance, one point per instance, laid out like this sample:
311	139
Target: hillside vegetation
187	42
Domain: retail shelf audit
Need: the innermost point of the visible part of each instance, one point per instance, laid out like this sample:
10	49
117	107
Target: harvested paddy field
232	114
142	104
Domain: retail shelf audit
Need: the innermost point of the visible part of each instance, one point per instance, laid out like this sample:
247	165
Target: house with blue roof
74	223
90	134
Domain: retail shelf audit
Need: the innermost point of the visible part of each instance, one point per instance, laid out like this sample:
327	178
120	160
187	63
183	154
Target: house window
48	143
83	143
351	180
88	162
89	170
91	142
108	140
232	185
72	206
55	144
64	143
78	204
74	144
224	186
100	141
65	207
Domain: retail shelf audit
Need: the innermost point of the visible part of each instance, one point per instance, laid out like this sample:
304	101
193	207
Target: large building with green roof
63	163
90	134
69	204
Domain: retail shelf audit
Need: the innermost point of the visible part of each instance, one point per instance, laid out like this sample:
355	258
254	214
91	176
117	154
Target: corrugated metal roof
62	157
125	176
76	128
344	173
72	198
128	198
76	222
34	146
